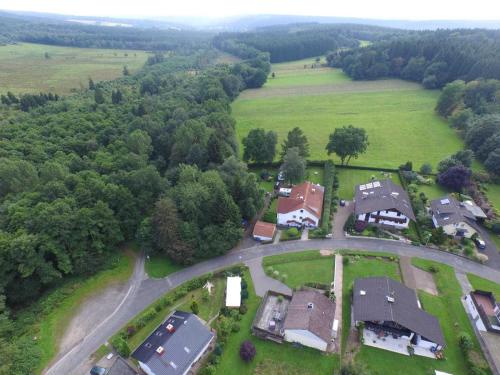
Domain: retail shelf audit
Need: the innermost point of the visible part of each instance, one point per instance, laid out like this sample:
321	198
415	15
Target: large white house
383	203
303	207
456	218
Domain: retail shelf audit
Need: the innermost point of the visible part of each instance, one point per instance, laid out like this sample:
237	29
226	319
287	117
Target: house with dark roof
121	367
383	203
174	346
306	317
303	207
393	318
456	218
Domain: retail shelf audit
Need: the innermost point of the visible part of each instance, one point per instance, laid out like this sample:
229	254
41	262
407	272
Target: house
306	317
263	231
456	218
174	346
393	318
233	291
309	320
383	203
485	310
303	207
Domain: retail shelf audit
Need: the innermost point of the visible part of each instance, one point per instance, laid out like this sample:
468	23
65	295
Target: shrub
218	350
121	346
411	350
360	226
244	284
194	307
495	227
235	327
465	342
349	224
345	260
131	330
247	351
426	169
208	370
243	309
244	294
292	232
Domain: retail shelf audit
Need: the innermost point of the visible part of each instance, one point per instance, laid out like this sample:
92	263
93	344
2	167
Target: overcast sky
379	9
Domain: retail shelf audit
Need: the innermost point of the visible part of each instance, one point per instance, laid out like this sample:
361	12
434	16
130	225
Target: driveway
150	290
261	282
340	218
491	251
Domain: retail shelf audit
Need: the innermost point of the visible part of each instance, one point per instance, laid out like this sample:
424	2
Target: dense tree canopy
347	142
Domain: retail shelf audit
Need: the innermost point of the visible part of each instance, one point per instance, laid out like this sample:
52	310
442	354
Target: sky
374	9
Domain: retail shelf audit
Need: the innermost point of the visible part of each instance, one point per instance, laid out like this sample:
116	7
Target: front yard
297	269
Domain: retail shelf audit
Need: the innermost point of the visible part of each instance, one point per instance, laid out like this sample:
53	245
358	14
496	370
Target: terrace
270	317
393	343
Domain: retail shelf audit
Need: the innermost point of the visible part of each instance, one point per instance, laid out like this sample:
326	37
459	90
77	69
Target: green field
493	195
349	178
303	267
158	266
398	116
24	67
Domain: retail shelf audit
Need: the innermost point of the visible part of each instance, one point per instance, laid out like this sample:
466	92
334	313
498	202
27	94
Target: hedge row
328	180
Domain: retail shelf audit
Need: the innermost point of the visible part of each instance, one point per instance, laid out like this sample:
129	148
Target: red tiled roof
306	196
263	229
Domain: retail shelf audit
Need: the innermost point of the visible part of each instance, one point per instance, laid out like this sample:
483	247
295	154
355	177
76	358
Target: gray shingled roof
380	196
181	347
447	210
121	367
373	305
318	319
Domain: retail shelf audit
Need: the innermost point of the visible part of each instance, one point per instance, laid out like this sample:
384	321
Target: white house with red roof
303	207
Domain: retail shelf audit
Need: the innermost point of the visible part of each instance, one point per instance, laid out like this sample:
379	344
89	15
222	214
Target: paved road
147	291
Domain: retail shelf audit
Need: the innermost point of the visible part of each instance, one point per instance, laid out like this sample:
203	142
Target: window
301	211
300	217
399	213
294	216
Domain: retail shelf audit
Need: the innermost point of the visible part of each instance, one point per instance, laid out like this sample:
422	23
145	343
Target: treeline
82	174
294	42
28	101
473	108
89	36
433	58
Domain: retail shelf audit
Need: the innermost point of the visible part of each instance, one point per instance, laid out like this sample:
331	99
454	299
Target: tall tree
295	138
347	142
260	146
98	96
455	178
294	165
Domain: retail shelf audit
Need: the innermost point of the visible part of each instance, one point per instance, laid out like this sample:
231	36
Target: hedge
328	180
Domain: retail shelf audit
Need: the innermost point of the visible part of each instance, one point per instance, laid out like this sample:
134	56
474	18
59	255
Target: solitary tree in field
247	351
91	84
347	142
295	138
294	165
125	71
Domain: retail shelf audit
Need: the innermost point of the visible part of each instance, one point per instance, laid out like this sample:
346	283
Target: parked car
342	202
98	370
481	245
281	176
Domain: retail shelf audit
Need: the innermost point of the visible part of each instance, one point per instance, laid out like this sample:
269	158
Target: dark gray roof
121	367
382	195
447	210
318	319
181	347
370	303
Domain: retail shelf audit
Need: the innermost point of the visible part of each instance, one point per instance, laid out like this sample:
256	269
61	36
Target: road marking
169	282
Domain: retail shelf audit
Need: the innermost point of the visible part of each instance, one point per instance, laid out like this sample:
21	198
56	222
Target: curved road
143	292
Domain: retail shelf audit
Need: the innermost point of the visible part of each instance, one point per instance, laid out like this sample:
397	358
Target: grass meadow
24	67
398	116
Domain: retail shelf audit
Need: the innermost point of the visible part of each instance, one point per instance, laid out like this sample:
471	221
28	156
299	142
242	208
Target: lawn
348	178
313	174
24	67
303	267
483	284
448	308
210	307
432	191
493	194
398	116
51	326
271	358
158	266
362	266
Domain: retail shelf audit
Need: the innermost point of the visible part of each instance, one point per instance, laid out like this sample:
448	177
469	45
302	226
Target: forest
433	58
151	156
295	42
76	35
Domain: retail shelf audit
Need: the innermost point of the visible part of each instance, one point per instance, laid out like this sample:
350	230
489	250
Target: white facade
372	219
305	338
298	218
233	291
262	238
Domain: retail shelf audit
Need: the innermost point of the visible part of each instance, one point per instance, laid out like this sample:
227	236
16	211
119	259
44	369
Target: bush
495	227
243	309
244	294
345	260
426	169
194	307
247	351
208	370
360	226
235	327
131	330
244	284
292	232
465	342
121	347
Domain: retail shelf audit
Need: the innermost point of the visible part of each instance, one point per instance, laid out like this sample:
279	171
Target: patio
389	343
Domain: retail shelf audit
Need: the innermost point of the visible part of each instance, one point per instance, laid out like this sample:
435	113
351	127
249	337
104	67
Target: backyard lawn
300	268
211	306
349	178
158	266
313	174
483	284
271	358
